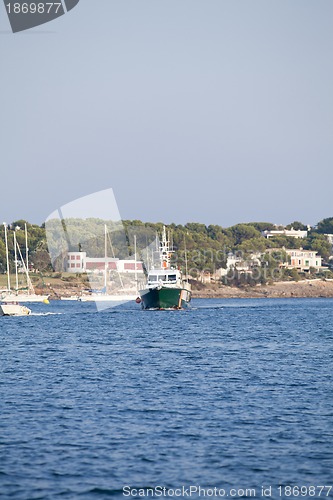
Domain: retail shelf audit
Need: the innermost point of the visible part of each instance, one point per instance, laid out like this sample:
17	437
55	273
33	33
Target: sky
212	111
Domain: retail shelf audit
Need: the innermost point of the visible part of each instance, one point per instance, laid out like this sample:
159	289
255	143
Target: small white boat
13	309
24	297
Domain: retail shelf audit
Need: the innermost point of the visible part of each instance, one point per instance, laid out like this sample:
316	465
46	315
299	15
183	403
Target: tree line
207	246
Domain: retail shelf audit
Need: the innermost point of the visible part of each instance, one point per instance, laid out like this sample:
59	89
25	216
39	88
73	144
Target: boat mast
136	273
26	247
165	251
114	256
186	270
7	257
29	282
105	256
15	255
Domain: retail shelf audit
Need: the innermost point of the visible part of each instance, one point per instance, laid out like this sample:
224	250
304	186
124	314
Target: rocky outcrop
306	288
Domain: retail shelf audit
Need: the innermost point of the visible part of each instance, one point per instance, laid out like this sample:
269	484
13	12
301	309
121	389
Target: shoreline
287	289
316	288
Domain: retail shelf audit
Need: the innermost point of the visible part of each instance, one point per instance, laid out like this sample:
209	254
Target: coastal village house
303	259
300	259
78	262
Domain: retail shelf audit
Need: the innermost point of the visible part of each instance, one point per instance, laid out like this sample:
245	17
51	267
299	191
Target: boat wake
45	314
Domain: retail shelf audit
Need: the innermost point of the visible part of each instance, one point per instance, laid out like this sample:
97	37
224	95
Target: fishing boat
166	287
13	309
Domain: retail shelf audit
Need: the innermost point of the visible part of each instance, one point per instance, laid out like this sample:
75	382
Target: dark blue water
233	394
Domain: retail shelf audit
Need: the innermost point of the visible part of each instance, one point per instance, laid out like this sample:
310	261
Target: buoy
46	301
138	300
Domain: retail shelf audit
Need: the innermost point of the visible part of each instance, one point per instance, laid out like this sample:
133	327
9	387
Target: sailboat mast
26	247
7	257
15	255
136	273
105	256
29	282
186	266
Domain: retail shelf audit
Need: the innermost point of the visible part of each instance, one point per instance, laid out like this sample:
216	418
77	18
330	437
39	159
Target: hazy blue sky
216	111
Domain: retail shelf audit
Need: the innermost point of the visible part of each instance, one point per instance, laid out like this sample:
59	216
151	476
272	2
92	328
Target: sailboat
166	288
9	305
104	295
30	295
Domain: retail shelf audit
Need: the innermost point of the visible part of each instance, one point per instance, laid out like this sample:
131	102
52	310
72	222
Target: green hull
165	298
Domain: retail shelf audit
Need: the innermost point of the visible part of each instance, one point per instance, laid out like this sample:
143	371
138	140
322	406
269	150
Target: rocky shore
306	288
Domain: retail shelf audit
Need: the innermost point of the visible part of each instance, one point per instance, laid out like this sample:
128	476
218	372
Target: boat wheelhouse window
161	277
172	277
152	277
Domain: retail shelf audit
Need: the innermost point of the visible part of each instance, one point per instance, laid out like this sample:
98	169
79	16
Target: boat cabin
165	276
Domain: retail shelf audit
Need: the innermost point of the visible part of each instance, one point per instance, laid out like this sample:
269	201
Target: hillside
207	247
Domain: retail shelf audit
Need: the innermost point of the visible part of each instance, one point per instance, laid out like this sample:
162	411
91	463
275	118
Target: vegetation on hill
207	247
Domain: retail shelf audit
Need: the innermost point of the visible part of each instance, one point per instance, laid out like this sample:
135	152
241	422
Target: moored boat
29	295
13	309
166	287
25	297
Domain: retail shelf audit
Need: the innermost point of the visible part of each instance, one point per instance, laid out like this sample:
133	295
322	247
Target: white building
303	259
295	233
78	262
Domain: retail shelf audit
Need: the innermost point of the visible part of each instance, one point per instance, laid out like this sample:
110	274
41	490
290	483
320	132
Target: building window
77	257
78	265
72	265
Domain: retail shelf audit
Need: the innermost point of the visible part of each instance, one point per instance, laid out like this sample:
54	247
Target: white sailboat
30	295
9	306
104	295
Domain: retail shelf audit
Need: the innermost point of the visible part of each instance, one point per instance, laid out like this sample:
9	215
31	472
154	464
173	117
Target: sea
232	398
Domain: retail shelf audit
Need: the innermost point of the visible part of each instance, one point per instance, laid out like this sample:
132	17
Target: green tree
261	226
325	226
320	244
242	232
298	226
